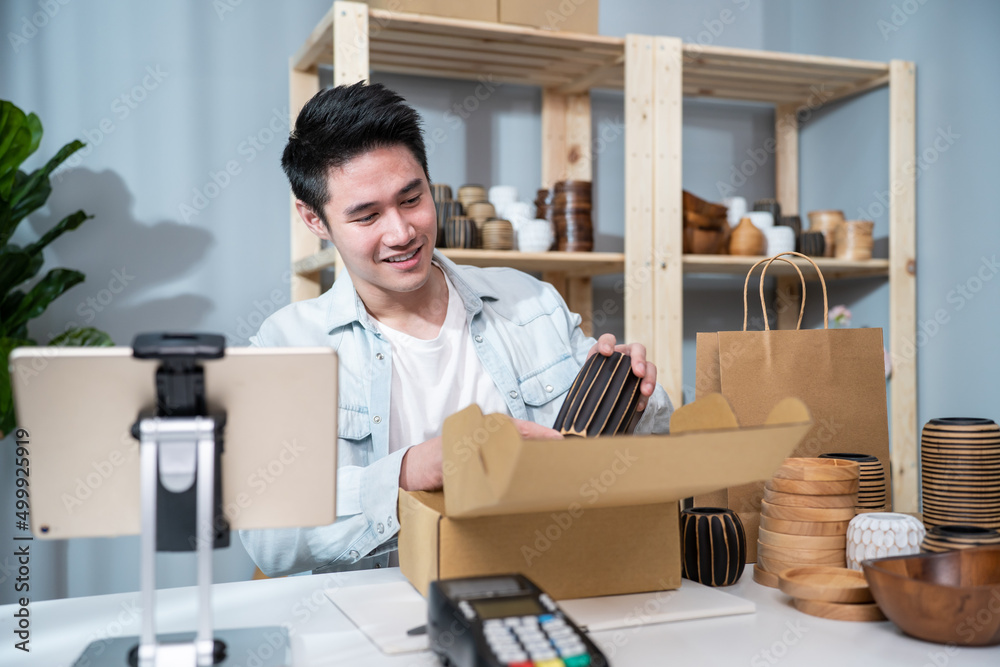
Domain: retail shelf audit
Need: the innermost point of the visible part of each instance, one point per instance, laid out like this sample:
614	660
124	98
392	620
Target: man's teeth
403	258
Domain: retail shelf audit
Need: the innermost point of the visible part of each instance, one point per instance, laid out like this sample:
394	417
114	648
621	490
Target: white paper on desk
384	612
691	601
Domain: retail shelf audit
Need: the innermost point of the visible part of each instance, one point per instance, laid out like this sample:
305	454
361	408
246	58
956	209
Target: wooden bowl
806	513
763	577
818	470
705	241
698	205
827	584
948	598
802	556
840	612
814	528
800	500
792	541
810	488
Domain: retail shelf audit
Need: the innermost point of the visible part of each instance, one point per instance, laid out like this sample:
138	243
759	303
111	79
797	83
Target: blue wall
203	89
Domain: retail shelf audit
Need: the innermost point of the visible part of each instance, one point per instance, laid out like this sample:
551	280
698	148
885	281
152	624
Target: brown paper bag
838	373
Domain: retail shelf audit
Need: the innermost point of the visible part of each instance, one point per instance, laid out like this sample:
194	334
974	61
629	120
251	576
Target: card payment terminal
503	621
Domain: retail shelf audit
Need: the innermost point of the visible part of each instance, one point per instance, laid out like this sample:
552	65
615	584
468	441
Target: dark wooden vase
602	399
461	232
714	546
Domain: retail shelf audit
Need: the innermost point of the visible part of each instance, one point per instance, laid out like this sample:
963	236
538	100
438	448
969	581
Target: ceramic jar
880	535
535	235
746	239
957	536
871	486
713	544
779	239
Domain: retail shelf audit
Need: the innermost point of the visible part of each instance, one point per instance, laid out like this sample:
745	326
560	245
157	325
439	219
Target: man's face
381	218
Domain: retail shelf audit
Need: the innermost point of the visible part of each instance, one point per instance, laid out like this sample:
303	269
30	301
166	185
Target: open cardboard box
581	517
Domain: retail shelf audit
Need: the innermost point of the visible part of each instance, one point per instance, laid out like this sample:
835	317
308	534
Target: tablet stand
180	460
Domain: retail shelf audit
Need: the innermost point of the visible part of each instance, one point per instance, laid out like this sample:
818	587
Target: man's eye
411	201
367	218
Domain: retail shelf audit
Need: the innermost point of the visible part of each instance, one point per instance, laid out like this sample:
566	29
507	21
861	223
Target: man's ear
312	220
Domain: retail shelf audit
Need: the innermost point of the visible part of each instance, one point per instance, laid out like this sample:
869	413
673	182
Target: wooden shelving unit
655	73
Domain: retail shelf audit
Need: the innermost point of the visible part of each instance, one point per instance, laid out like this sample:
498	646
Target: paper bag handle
746	283
822	282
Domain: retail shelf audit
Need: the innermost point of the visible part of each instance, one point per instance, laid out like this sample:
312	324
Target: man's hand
643	369
421	469
533	431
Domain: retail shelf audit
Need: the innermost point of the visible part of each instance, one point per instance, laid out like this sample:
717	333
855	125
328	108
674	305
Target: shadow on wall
125	261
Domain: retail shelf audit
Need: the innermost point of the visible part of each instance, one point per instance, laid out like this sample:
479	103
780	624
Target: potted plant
21	194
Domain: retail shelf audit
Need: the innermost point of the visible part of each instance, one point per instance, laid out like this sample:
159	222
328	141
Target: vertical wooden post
902	283
788	292
667	261
638	283
302	86
566	155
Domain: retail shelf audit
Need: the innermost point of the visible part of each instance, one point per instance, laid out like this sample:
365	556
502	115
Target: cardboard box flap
490	470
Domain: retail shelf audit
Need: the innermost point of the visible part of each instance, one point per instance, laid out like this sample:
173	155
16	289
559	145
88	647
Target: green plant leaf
32	201
41	176
20	136
82	337
6	396
69	223
47	290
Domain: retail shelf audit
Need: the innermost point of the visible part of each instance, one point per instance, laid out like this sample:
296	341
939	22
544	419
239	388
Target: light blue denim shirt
529	343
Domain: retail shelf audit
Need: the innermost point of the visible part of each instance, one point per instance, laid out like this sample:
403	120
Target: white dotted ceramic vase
880	535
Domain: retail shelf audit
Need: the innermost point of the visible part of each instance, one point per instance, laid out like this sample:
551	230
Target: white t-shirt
433	379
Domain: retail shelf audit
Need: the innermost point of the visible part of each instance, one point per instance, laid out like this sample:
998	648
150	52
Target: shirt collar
345	306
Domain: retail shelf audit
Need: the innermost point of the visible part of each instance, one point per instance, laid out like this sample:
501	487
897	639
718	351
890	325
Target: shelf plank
437	46
832	268
572	264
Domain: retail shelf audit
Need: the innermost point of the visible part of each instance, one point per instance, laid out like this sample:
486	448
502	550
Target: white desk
322	635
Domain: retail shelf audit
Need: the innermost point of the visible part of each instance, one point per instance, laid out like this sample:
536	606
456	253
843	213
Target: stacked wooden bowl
960	472
830	592
706	227
871	489
497	235
470	194
853	240
571	206
807	507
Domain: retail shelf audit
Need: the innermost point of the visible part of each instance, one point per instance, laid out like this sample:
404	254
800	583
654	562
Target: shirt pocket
353	423
550	382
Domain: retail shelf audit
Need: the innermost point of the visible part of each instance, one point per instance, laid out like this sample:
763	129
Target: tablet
76	407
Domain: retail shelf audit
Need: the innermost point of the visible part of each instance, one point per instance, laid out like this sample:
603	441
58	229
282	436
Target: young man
418	337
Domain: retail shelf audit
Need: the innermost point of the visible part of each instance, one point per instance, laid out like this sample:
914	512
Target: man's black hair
339	124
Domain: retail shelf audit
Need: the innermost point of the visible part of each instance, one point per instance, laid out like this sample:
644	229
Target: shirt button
377	419
379	356
513	394
354	555
479	339
548	388
388	521
380	528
